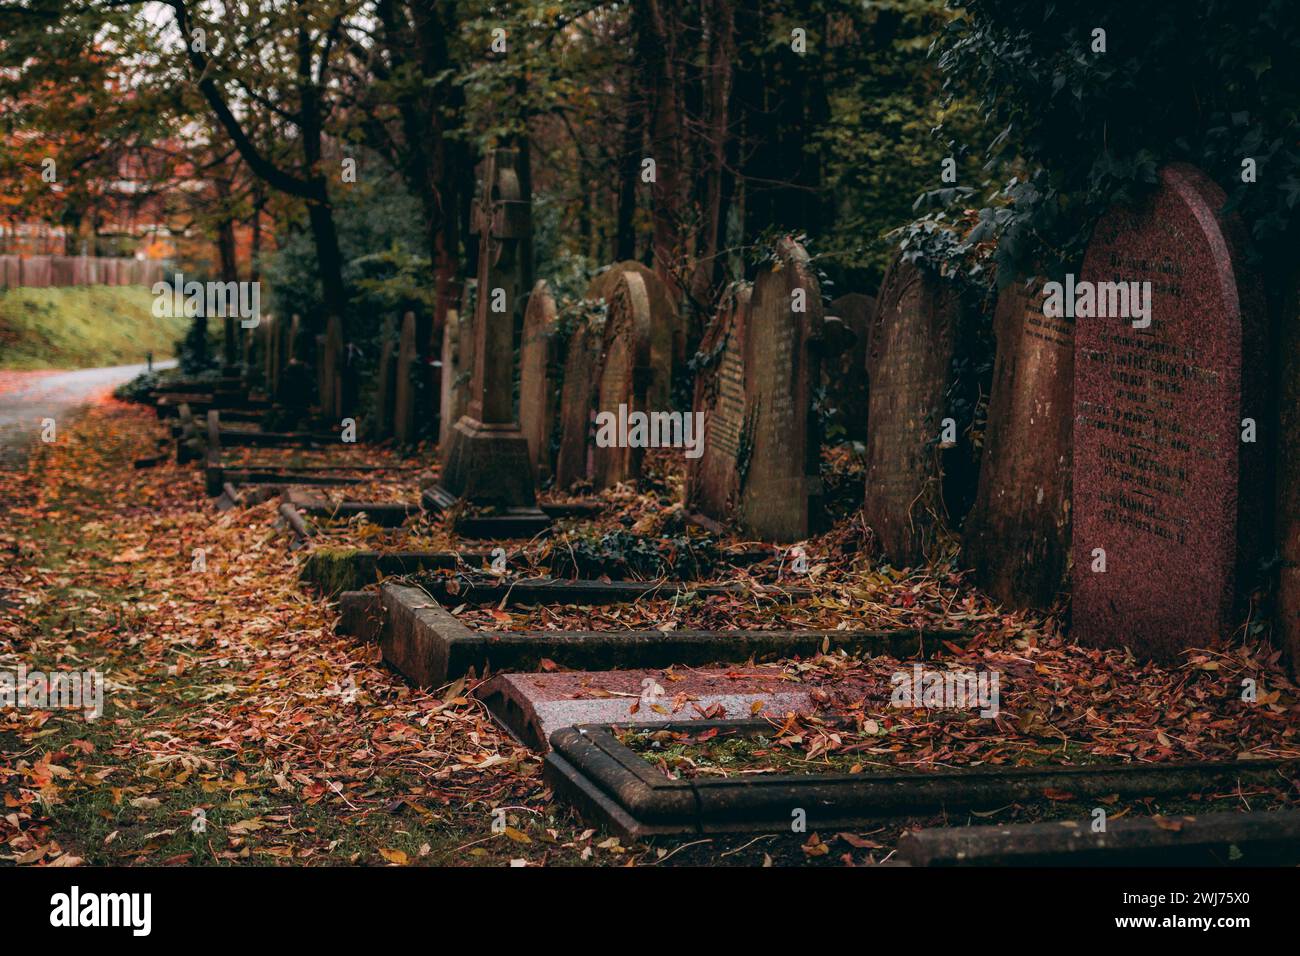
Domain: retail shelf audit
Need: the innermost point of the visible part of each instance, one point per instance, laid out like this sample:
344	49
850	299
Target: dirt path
27	399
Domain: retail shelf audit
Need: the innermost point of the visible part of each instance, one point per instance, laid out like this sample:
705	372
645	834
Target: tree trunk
629	168
657	22
708	271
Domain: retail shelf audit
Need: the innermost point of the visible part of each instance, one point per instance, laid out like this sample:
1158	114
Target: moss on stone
333	570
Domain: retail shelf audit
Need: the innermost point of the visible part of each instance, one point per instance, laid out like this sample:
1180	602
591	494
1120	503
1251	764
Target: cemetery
723	540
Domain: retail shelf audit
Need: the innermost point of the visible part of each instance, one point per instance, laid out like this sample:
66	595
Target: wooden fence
46	271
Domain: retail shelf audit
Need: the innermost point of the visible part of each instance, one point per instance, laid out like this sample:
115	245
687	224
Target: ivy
1082	130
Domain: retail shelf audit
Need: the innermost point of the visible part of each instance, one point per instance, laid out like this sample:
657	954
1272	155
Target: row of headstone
394	400
1125	448
1130	446
762	355
1128	442
47	271
619	361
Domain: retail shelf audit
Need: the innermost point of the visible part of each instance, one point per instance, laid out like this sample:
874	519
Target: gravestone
909	367
781	492
1017	537
539	379
294	387
625	373
403	397
1164	486
486	459
453	382
573	460
331	397
713	480
385	379
845	375
267	332
1288	478
667	336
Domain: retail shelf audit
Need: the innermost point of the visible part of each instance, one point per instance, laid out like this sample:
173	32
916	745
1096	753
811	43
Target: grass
82	326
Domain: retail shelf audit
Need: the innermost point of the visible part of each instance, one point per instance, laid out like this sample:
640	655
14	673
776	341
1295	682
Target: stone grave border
214	469
1259	837
524	713
385	514
331	571
394	513
615	787
421	639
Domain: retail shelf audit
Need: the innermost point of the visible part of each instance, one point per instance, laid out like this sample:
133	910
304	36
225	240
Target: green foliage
1080	130
82	326
879	144
382	241
197	351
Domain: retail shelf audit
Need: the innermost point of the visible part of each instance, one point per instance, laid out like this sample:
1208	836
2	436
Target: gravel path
29	398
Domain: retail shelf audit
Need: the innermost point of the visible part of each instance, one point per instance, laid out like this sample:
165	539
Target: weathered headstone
267	332
539	378
1288	478
403	399
385	379
909	368
457	355
331	398
1166	491
1017	536
845	375
577	401
667	337
713	480
625	375
486	461
781	492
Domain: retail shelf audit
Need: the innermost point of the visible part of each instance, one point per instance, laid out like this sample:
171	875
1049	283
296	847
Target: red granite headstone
538	378
1164	485
1017	536
909	367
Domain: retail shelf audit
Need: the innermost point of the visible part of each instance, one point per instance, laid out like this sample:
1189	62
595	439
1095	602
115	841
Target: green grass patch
83	327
